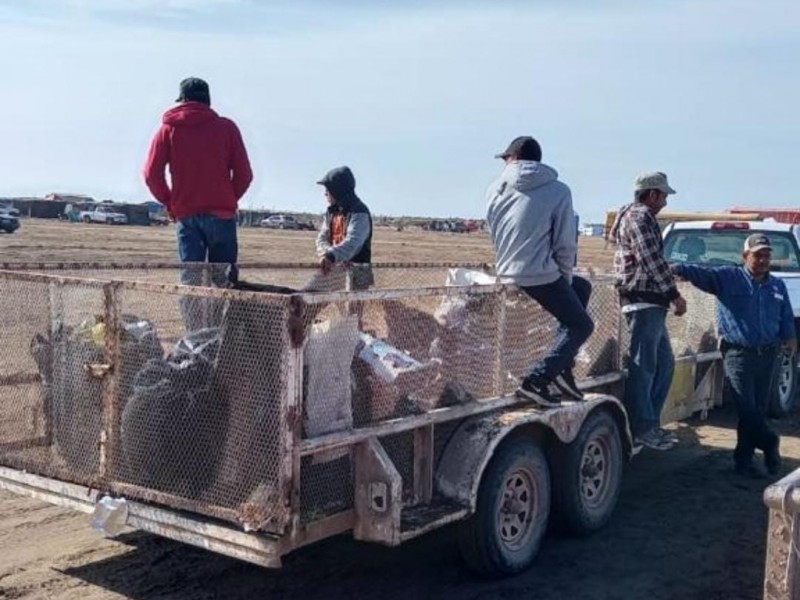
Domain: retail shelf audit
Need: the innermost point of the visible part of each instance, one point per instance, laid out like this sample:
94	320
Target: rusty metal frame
782	569
506	412
110	434
260	549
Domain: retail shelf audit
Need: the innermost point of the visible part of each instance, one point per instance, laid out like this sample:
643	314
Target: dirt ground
685	527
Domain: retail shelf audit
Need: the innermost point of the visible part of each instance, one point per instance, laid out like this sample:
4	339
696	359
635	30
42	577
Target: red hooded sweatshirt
208	163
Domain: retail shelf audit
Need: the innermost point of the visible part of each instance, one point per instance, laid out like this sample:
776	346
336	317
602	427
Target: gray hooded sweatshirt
532	224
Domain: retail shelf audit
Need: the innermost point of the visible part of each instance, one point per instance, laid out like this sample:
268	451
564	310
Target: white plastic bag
328	355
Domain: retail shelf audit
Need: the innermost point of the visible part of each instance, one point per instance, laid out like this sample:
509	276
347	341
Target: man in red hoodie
209	173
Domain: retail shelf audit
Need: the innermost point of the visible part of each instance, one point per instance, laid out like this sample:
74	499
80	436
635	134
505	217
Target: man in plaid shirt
646	290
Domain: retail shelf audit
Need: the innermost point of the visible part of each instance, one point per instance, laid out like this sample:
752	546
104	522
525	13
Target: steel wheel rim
517	506
785	381
594	472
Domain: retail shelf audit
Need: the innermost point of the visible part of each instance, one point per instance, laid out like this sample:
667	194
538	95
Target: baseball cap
654	181
194	89
523	147
756	242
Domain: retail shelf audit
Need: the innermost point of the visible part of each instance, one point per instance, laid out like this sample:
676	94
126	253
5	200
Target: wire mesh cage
189	387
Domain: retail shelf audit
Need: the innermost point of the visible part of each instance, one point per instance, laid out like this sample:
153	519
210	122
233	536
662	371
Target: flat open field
685	527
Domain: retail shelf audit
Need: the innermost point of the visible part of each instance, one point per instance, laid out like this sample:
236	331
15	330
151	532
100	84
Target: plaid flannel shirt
643	274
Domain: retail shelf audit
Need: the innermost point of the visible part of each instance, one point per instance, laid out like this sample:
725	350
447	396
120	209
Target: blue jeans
205	238
650	368
750	377
568	305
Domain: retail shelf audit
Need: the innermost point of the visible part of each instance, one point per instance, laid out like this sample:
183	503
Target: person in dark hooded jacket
209	171
346	232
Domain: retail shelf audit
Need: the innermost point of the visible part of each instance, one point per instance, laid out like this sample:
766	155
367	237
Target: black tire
87	219
588	475
504	534
109	221
783	400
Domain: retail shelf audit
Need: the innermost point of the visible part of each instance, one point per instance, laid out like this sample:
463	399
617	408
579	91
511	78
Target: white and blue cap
756	242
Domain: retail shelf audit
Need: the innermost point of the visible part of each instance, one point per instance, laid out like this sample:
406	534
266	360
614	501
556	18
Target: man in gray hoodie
533	229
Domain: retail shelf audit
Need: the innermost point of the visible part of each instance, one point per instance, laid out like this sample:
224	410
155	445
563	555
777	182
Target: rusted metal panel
378	499
469	451
110	435
452	517
423	464
438	415
321	529
258	549
782	569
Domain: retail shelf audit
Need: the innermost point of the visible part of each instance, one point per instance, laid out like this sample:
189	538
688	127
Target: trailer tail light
730	225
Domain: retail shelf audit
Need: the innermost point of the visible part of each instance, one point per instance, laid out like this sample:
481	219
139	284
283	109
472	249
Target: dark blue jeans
205	238
650	368
751	377
567	303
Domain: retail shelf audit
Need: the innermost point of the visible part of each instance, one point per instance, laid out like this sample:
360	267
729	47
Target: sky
416	97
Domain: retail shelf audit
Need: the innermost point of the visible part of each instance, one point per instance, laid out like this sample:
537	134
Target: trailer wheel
503	536
783	398
589	475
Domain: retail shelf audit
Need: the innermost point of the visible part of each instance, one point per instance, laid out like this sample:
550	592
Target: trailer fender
471	448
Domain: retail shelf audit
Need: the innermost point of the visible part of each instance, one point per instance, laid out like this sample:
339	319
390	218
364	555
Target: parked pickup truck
718	243
103	214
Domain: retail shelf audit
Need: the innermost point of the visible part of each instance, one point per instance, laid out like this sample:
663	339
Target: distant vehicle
472	225
719	243
9	219
159	220
281	222
451	226
9	210
103	214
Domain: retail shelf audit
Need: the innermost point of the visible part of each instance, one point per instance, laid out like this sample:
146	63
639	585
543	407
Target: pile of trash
172	423
74	393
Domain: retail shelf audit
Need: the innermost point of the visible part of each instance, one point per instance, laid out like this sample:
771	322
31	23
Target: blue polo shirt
749	313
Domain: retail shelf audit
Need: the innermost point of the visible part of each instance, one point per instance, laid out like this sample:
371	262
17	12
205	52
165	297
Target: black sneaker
566	383
536	390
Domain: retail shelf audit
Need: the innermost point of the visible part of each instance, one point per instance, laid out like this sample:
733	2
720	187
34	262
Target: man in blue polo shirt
756	323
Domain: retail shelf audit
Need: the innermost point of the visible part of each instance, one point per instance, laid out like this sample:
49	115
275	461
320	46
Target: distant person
532	226
346	232
209	172
756	323
646	289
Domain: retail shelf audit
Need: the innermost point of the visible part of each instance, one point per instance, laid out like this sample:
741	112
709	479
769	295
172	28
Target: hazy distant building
71	198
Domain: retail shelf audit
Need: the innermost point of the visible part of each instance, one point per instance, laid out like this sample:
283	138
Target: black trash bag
73	399
173	424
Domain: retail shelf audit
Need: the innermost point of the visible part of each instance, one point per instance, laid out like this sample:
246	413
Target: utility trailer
282	418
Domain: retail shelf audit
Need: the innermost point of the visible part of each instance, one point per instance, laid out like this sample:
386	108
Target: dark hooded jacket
356	244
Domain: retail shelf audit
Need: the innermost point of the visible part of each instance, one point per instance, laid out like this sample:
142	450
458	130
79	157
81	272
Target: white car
718	243
280	222
103	214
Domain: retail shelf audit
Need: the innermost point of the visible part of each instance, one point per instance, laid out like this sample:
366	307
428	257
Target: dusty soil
685	527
